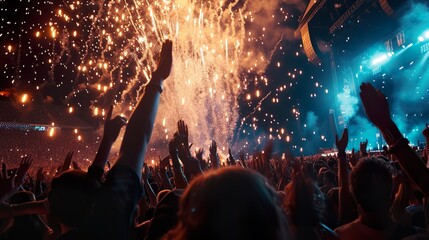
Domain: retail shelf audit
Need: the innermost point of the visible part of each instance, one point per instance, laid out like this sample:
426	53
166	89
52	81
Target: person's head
165	215
162	194
22	197
70	198
304	202
230	203
371	185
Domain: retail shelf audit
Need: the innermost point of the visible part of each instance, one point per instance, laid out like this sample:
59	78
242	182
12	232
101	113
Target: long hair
230	203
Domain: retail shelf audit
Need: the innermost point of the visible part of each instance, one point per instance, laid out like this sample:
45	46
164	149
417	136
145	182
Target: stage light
421	39
426	34
380	59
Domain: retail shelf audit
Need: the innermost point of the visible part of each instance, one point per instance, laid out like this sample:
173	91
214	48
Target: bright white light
380	59
426	34
421	39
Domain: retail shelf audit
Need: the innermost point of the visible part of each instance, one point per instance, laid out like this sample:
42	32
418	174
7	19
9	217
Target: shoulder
346	227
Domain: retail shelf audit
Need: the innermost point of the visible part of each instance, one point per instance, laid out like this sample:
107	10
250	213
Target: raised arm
214	157
112	127
345	201
14	210
378	112
148	188
179	177
165	181
10	184
67	162
140	125
191	165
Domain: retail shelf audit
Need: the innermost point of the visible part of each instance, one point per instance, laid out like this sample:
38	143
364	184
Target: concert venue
285	91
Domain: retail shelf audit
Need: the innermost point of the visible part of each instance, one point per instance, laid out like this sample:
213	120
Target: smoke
405	85
417	15
311	133
264	30
361	129
348	104
312	121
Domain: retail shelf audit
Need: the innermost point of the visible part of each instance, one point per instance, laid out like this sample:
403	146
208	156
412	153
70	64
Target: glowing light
380	59
70	109
51	132
24	98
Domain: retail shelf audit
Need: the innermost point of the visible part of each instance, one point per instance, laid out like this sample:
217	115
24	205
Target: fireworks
96	53
122	40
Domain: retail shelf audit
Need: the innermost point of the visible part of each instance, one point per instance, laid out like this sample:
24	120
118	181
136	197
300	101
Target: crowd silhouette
357	195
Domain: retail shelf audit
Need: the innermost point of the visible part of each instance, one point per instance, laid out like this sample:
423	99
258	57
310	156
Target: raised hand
231	159
24	165
199	154
375	105
354	158
214	158
165	61
183	131
342	143
67	162
40	175
163	162
10	184
112	127
76	166
363	146
213	148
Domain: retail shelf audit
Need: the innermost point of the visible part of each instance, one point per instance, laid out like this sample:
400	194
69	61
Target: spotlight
426	34
421	39
380	59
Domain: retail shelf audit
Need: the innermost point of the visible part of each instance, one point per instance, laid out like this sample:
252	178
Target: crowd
47	151
184	196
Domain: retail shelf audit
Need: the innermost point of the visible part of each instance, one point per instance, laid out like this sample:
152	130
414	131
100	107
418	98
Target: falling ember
79	138
9	48
70	109
51	132
24	98
96	111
